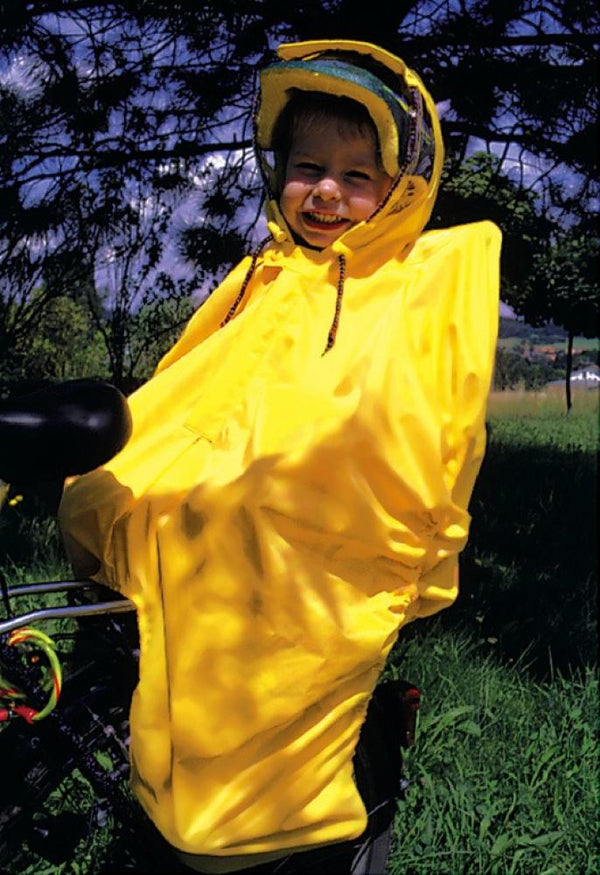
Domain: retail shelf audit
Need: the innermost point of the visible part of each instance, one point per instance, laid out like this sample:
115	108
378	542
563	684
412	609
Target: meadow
505	773
504	776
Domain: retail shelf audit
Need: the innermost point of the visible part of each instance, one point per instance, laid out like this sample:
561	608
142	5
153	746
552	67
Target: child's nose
327	189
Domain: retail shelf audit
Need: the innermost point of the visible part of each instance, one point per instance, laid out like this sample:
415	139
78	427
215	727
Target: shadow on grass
529	572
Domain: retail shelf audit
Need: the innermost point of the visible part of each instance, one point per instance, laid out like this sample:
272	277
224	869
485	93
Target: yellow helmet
382	83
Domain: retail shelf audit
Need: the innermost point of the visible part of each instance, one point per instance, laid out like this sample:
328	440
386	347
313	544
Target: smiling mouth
324	219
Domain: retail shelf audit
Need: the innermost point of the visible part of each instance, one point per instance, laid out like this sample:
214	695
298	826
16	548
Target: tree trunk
569	368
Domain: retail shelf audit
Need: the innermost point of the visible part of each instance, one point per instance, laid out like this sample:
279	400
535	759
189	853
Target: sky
18	74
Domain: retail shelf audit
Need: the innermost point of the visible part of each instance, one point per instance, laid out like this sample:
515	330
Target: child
296	486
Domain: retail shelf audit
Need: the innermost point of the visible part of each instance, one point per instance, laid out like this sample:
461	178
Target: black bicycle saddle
63	429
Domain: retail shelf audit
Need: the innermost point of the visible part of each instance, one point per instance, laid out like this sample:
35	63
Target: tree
129	119
563	288
130	280
65	346
480	189
548	273
508	369
94	169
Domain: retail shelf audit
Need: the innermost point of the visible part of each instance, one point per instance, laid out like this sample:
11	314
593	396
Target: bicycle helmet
365	73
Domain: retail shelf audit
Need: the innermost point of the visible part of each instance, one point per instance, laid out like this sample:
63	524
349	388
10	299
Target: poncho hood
405	118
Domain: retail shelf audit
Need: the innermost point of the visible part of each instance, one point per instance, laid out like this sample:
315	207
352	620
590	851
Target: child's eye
308	167
358	174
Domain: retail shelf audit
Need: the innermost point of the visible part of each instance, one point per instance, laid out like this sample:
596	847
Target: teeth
324	218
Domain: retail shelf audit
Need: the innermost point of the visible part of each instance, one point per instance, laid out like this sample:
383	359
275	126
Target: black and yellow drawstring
338	299
255	256
338	304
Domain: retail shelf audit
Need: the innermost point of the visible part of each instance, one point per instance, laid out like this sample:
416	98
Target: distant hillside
548	340
549	333
532	357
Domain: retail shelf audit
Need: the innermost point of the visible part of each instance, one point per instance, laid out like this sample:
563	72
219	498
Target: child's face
332	181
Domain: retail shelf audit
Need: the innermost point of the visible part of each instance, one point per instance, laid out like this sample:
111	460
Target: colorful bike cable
44	643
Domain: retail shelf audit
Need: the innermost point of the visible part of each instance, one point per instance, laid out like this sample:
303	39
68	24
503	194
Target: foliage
526	363
126	168
563	287
481	189
91	105
64	346
546	275
135	338
156	327
564	284
513	369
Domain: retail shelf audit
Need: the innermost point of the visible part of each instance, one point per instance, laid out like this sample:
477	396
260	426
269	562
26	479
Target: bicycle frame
113	606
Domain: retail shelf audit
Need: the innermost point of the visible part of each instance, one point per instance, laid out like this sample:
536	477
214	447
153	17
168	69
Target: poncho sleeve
470	336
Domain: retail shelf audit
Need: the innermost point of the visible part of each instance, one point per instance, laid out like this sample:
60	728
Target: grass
505	773
504	776
539	420
529	572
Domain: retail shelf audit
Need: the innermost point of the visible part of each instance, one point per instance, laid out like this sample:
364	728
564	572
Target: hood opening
397	103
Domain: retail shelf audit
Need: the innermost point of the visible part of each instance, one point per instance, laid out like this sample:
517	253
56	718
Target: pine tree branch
582	40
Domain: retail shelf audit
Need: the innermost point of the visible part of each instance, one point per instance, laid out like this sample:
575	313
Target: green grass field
505	773
504	776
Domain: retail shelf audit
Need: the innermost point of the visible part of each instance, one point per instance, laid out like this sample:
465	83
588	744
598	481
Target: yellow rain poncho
279	514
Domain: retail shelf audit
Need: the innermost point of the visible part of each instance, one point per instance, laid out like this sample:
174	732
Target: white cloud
23	76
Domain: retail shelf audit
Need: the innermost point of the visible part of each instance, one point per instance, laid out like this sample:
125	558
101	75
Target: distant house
588	377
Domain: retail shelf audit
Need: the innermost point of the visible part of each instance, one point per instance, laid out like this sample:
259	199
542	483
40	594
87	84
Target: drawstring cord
338	304
247	278
338	299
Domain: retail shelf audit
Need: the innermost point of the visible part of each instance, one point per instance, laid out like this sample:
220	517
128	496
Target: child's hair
307	108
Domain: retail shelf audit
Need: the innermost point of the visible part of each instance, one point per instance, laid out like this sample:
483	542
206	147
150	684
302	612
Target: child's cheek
293	195
294	188
363	205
